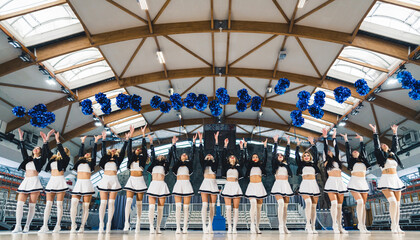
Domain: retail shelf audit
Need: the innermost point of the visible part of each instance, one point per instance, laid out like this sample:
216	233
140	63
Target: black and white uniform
281	187
308	186
209	167
361	164
110	183
136	163
158	188
183	188
84	187
232	189
57	183
333	184
388	160
257	189
32	184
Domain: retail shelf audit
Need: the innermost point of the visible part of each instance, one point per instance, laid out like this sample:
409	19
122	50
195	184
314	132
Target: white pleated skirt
282	187
335	185
209	186
83	187
309	187
57	184
109	183
391	182
183	188
358	184
158	189
30	184
232	190
136	184
255	190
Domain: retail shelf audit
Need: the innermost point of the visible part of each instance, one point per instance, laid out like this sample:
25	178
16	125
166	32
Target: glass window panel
11	6
74	58
86	71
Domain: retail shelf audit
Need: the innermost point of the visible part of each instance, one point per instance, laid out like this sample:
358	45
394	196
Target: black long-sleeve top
361	159
156	162
82	159
132	157
62	163
226	165
382	156
207	163
335	157
301	164
178	163
38	162
260	164
275	163
107	158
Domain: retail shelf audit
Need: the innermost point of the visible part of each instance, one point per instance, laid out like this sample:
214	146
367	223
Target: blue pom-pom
244	96
135	102
241	106
304	95
415	91
281	86
86	107
106	106
123	101
302	105
39	108
215	108
176	101
362	87
155	101
42	119
223	96
100	97
19	111
319	98
406	79
189	101
49	117
201	102
297	119
316	111
341	94
256	103
165	107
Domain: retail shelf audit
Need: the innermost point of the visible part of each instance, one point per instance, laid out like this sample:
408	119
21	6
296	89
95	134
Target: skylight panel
71	59
12	6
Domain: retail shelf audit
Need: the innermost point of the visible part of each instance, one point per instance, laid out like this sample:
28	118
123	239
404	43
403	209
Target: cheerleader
281	187
109	186
183	168
135	185
389	183
308	168
84	167
334	186
255	192
31	185
158	189
57	184
357	163
232	193
208	188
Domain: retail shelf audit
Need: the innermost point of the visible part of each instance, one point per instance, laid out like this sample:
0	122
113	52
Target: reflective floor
196	235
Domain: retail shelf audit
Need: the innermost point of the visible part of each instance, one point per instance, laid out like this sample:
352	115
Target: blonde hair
58	155
109	151
160	158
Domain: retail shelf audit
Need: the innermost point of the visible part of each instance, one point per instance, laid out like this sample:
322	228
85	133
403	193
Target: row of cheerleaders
233	168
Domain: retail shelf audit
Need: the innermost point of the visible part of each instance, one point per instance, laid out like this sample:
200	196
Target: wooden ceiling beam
66	119
79	65
151	91
313	10
292	20
30	88
308	57
127	11
363	64
253	50
132	57
187	50
32	9
75	133
281	11
13	66
161	11
399	109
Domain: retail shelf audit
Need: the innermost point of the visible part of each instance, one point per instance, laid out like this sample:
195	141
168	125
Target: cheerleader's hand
298	141
324	133
311	140
345	137
82	139
359	137
288	139
57	137
276	138
21	134
394	129
245	143
103	135
200	136
150	139
50	133
97	137
194	138
373	127
265	143
174	140
42	134
227	142
143	130
216	137
334	133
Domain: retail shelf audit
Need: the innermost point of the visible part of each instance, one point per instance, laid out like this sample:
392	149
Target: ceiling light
360	106
43	71
179	115
371	98
345	118
65	90
70	98
98	124
95	118
342	124
260	114
392	80
301	3
143	4
269	89
354	112
25	57
171	91
160	57
282	54
14	43
377	90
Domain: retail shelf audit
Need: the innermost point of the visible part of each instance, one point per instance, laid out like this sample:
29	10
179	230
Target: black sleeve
265	156
130	149
325	148
348	155
394	147
93	156
192	154
380	159
45	154
376	142
103	150
121	156
23	150
337	151
273	158
143	150
216	158
82	150
297	156
168	161
201	155
223	158
287	154
315	154
63	153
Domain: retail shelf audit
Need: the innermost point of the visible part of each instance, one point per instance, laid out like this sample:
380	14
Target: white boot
186	215
204	216
127	214
73	214
253	214
57	227
364	220
31	214
400	231
359	212
159	219
139	205
285	218
308	214
47	212
85	215
151	218
235	220
211	213
280	215
178	208
19	215
340	218
333	211
313	218
257	222
229	218
102	210
111	209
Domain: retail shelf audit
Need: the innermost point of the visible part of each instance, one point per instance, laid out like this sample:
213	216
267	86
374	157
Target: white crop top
111	166
335	167
83	167
308	171
183	170
135	166
208	170
54	165
359	167
158	169
282	171
232	173
30	166
255	171
390	164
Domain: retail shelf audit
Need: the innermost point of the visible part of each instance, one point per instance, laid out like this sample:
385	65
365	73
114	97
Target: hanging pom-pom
319	98
42	119
415	91
176	101
201	102
122	101
316	111
297	119
302	105
362	87
341	94
135	103
189	101
100	97
106	106
241	106
165	107
406	79
244	96
39	108
49	117
256	104
86	107
223	96
155	101
304	95
19	111
281	86
215	108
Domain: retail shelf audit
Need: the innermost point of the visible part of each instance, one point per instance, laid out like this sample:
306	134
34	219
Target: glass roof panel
71	59
366	56
12	6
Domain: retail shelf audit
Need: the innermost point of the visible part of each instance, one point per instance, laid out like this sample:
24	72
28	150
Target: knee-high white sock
31	214
285	214
308	208
186	215
397	220
19	214
59	213
235	218
340	215
128	210
333	212
280	210
151	215
259	206
178	208
85	214
159	217
204	214
393	210
102	209
139	205
359	211
111	209
211	213
253	210
73	211
47	212
313	216
229	215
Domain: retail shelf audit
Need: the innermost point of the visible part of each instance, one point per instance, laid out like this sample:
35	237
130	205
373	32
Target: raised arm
82	146
325	136
394	147
274	154
103	150
23	150
201	150
60	148
297	152
348	155
265	154
287	152
336	150
192	153
94	151
314	150
376	141
143	142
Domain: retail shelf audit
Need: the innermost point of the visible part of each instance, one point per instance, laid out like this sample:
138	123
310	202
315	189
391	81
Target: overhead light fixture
260	114
392	80
354	112
377	90
65	90
70	98
371	98
25	57
342	124
107	128
98	123
160	57
171	91
345	118
143	4
282	54
43	71
14	43
269	89
360	106
301	3
179	115
95	118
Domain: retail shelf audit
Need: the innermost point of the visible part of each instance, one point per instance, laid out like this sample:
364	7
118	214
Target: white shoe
400	231
158	231
229	230
210	229
178	231
394	229
335	228
81	229
281	230
73	228
101	228
17	229
234	231
308	229
57	229
205	229
342	230
253	230
126	227
26	229
314	231
258	230
108	228
43	229
137	227
152	231
185	230
286	230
